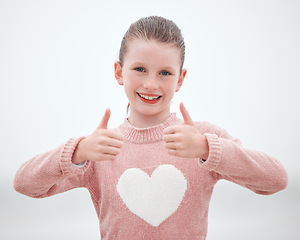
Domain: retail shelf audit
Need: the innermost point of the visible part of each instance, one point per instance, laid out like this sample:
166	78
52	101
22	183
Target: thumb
186	116
104	121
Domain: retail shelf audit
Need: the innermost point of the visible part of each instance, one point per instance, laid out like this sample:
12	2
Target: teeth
148	97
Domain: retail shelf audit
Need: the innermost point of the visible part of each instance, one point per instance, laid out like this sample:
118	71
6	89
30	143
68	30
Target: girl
153	176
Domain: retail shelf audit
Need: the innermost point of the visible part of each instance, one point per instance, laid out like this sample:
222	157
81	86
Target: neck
143	121
147	134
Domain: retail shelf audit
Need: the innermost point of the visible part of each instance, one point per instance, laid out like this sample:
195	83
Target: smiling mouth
149	97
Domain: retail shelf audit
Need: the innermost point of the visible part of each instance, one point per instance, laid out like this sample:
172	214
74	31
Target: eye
140	69
165	73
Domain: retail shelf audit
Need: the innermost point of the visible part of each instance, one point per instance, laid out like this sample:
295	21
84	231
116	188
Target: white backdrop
56	80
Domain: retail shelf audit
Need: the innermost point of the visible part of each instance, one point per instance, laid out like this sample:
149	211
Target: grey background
56	79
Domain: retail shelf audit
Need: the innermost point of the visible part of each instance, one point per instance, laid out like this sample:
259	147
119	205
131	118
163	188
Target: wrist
204	149
78	156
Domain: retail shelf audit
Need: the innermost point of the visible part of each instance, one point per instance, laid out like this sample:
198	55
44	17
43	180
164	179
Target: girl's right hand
103	144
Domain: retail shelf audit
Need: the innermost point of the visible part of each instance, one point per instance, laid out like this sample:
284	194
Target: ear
118	72
180	80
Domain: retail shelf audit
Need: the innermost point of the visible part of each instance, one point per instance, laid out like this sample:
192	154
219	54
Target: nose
150	83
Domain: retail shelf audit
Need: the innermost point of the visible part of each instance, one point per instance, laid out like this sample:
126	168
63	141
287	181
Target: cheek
170	87
130	85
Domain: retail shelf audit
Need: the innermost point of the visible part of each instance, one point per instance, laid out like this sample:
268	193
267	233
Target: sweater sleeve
50	173
255	170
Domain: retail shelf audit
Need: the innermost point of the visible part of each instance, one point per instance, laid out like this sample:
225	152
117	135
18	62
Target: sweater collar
149	134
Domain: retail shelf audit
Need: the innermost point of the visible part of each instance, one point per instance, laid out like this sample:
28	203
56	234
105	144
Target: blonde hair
153	28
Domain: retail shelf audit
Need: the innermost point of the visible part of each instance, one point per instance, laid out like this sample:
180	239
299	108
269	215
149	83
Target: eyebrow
167	67
137	63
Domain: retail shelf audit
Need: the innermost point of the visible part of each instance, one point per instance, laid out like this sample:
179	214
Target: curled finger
112	150
112	142
115	135
168	138
171	145
173	152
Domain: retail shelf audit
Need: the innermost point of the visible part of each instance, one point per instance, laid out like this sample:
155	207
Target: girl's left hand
185	140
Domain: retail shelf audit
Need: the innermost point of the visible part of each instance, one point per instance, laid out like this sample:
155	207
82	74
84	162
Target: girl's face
150	75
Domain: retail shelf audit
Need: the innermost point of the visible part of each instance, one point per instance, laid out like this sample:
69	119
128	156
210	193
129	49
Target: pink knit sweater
146	193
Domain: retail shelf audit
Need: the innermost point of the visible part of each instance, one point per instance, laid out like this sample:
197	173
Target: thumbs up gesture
185	140
102	144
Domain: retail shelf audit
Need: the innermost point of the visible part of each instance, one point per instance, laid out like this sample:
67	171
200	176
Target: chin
154	110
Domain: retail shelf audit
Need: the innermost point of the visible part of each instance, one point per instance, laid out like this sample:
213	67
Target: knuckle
116	150
180	138
100	150
100	131
102	140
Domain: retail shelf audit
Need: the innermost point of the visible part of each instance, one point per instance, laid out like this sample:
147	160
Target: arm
252	169
51	172
225	155
54	171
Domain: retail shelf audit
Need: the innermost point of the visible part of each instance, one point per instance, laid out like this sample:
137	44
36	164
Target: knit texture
145	193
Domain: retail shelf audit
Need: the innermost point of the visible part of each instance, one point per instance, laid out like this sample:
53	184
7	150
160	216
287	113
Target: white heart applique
153	198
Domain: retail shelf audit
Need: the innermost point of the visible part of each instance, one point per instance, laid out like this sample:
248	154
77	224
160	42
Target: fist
103	144
185	140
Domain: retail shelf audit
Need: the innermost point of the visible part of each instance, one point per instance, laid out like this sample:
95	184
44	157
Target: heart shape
153	198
